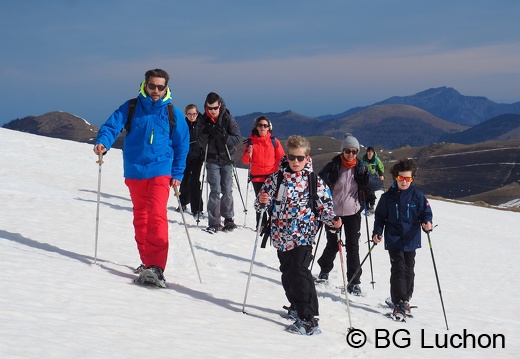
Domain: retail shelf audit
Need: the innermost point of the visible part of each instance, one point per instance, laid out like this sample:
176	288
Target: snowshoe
212	229
322	278
152	275
307	326
229	225
355	289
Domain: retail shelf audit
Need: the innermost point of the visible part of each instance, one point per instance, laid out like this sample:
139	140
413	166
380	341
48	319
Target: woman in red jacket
262	153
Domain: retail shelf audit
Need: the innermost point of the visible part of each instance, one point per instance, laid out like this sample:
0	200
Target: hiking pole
177	194
437	278
236	179
100	162
202	185
368	239
253	257
317	244
362	262
248	181
342	260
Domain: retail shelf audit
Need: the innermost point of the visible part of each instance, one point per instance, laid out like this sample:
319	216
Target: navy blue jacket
400	214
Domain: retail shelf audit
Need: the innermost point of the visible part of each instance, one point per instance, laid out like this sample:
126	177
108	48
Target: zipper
151	137
397	210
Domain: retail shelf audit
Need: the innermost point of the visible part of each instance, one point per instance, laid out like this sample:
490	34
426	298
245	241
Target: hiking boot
153	275
158	271
307	326
323	276
291	312
229	225
139	269
401	310
354	289
178	209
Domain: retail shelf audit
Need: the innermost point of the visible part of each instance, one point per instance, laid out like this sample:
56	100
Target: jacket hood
166	97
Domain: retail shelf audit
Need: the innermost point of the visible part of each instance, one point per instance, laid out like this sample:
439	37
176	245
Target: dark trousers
190	186
257	186
402	274
351	226
297	280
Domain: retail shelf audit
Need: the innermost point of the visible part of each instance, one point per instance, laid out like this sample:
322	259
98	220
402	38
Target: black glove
362	179
214	131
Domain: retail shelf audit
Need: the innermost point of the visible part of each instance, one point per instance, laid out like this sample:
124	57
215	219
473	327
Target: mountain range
479	160
435	115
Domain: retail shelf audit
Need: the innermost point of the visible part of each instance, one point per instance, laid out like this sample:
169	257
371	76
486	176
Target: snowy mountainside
55	303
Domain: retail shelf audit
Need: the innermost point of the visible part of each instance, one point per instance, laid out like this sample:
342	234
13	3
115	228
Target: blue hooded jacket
401	213
149	150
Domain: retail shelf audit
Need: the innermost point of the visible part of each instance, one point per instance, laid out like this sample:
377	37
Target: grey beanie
349	141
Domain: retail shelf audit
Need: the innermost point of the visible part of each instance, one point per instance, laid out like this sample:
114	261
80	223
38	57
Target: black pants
402	275
257	186
190	186
352	226
298	282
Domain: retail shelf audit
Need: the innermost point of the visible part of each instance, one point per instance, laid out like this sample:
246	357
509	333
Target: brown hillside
393	126
497	196
375	114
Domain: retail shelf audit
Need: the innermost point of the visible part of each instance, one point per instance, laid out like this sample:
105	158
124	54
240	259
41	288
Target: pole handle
100	158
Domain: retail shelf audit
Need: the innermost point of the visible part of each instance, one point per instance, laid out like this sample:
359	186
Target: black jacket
196	152
217	136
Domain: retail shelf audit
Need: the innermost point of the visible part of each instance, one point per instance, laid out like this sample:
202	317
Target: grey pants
220	179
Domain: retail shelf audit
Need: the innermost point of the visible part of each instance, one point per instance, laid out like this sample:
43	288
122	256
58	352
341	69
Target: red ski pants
150	199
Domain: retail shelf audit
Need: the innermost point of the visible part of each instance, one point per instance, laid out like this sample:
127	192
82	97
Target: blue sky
312	57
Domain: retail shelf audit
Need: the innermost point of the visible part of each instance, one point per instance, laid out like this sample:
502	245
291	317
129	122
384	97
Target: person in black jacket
348	180
190	186
218	133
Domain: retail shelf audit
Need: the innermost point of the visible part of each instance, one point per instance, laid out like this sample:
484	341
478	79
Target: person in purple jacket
154	158
400	214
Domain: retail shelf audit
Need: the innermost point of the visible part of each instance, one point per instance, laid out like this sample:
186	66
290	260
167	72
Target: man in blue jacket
154	158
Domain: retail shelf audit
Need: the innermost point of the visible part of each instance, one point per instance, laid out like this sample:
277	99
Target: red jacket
265	158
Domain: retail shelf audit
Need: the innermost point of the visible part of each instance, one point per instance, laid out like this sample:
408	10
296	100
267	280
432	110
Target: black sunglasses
293	157
348	152
213	108
158	87
264	125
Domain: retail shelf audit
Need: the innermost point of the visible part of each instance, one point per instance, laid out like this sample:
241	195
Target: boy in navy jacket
400	214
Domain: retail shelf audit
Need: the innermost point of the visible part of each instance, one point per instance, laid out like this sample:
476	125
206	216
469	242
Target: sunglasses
348	152
264	125
158	87
293	157
213	108
407	179
191	114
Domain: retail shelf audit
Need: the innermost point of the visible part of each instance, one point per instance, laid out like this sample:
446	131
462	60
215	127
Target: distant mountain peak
449	104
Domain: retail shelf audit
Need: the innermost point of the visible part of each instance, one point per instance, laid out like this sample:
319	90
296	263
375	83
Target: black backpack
131	109
313	196
273	141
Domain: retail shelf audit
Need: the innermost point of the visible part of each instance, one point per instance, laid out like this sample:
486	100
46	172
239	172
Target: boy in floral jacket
293	229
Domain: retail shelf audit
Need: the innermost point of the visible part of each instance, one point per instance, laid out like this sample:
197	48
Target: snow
55	303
